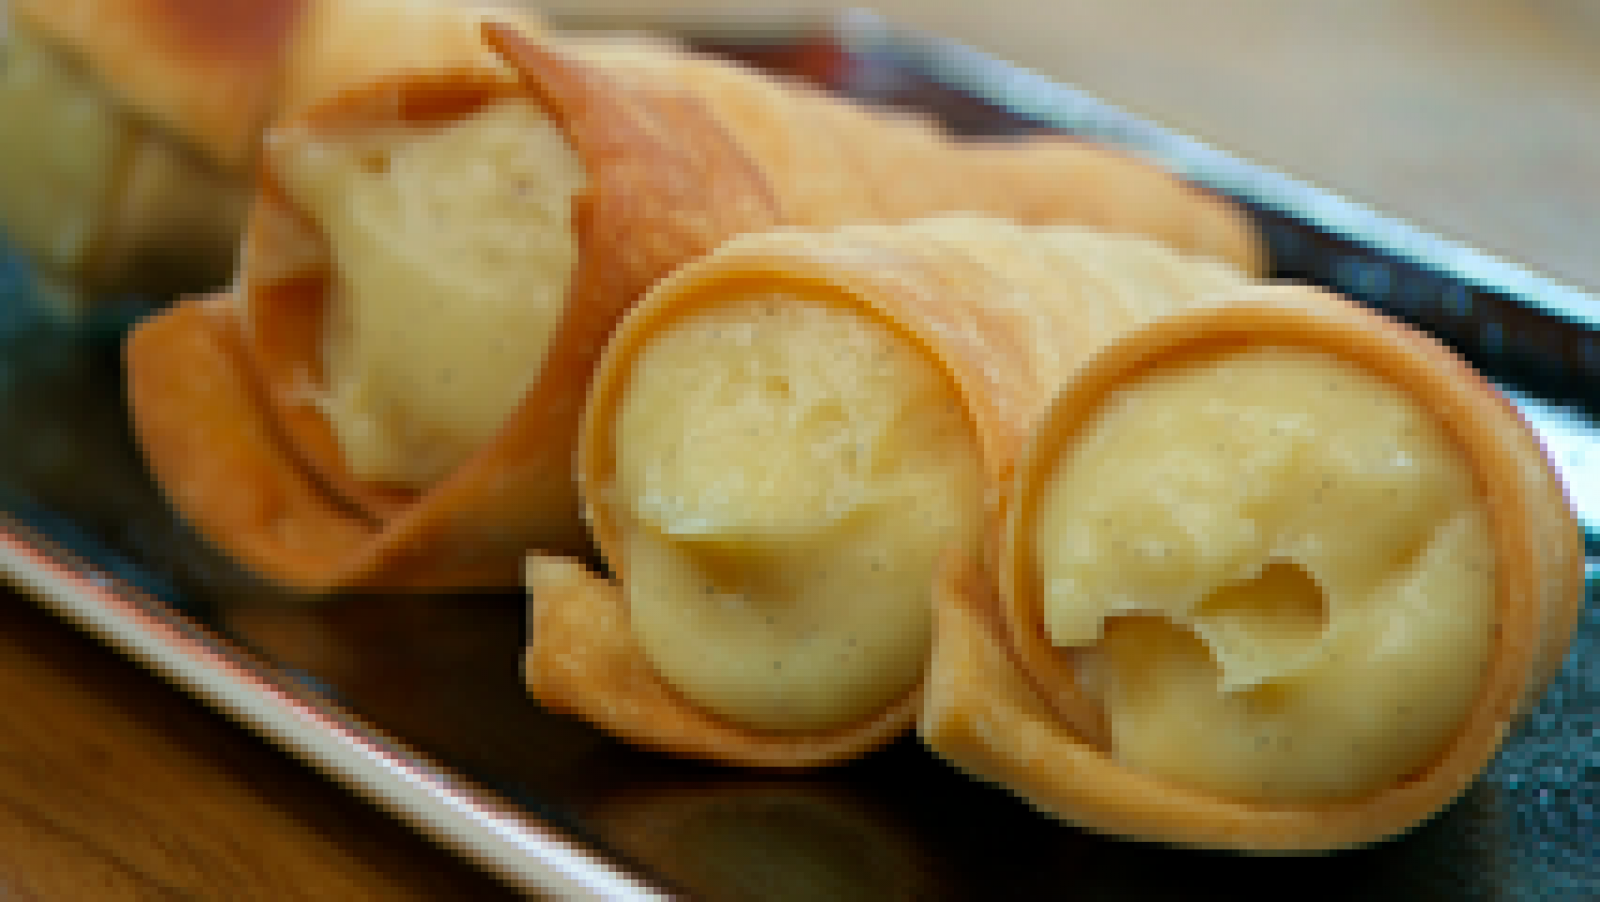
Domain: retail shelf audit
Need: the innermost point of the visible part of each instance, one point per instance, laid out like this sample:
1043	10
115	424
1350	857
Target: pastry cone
143	118
487	247
96	196
779	440
831	162
1302	620
662	182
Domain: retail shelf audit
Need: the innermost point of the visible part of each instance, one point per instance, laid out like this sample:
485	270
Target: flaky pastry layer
1003	705
1003	312
652	166
144	118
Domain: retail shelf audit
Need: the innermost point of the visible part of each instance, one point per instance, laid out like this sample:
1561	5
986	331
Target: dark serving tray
415	702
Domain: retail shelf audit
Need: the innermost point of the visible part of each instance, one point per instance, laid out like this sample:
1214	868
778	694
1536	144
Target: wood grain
115	786
1474	118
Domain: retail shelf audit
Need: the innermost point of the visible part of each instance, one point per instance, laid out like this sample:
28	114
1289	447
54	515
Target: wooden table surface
1477	118
115	786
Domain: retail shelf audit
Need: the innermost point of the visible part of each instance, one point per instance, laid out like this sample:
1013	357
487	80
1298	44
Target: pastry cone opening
583	657
1310	561
786	469
504	332
450	254
795	426
1507	540
651	166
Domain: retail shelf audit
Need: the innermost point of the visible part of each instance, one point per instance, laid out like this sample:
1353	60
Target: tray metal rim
517	846
1036	96
430	796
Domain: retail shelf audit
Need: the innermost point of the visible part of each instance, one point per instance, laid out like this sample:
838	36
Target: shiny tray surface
415	701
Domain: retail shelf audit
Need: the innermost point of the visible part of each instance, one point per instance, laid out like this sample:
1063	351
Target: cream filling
786	474
60	156
1279	573
453	251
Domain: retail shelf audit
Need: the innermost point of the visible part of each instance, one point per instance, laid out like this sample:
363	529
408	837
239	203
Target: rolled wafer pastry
779	441
233	470
831	162
377	230
1277	575
141	118
79	170
432	267
349	43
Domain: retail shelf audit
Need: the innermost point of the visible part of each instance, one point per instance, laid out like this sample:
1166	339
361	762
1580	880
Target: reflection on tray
439	672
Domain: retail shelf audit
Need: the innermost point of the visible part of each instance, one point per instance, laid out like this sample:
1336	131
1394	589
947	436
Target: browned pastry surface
1000	705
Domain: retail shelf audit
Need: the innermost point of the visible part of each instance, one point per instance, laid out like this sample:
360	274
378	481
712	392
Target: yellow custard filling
453	250
786	474
60	157
1277	573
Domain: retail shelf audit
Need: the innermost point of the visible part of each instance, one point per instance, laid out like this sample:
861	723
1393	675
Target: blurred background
1476	119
